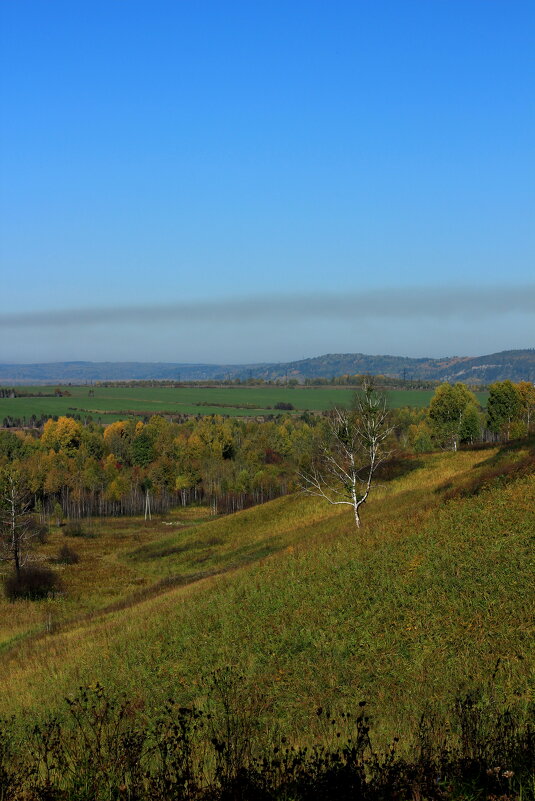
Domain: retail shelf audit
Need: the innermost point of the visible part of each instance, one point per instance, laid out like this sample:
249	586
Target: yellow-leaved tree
63	434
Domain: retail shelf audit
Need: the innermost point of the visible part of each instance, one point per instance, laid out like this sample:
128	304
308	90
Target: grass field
112	403
299	609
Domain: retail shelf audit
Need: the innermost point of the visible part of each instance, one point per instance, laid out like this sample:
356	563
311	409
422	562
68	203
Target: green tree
527	395
11	446
58	513
118	437
470	430
447	410
504	407
143	452
420	437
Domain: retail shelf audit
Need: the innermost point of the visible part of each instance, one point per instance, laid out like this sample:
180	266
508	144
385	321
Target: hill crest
515	365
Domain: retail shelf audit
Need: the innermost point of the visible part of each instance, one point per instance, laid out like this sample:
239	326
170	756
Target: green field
112	403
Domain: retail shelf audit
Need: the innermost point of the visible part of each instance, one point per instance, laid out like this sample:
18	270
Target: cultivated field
108	404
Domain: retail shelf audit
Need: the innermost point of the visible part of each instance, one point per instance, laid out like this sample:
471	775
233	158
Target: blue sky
220	167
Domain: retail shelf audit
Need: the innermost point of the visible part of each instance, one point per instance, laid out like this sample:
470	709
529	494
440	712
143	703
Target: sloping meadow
430	601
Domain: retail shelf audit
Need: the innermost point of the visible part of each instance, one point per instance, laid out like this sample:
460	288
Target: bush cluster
37	530
74	529
32	582
67	556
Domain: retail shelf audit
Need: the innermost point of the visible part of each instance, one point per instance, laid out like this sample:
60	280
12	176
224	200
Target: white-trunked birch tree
356	444
15	520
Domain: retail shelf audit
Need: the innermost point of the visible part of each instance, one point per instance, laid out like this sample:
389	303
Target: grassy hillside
100	579
300	610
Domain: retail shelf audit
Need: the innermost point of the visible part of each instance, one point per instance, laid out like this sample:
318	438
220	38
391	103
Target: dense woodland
129	467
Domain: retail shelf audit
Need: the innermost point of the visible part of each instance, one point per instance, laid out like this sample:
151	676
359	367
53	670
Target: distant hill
77	372
516	365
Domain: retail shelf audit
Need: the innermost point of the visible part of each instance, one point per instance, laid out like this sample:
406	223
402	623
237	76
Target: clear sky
262	180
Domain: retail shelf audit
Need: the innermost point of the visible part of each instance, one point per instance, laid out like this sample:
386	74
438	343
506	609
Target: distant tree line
14	392
384	381
347	379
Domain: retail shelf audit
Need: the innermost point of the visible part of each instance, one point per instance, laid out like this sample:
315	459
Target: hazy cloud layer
404	303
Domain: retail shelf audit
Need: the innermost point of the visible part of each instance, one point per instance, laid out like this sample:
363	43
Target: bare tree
356	444
16	523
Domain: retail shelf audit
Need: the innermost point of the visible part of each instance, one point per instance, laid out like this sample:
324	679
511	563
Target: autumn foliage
227	463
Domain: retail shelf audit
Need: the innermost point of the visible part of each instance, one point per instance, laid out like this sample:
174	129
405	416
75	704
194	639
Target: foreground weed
104	749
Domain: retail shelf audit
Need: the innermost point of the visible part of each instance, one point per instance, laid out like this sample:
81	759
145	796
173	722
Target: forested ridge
515	365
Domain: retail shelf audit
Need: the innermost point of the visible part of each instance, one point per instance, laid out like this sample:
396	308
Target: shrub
74	529
32	582
58	513
38	530
67	556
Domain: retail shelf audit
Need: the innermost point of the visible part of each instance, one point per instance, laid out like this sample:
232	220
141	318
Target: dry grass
99	579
